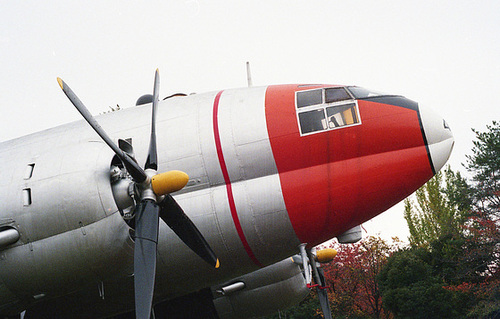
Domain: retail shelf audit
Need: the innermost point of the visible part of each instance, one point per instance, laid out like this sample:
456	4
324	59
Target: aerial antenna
249	75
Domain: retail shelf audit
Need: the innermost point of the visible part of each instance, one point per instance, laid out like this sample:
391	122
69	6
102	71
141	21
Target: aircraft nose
439	137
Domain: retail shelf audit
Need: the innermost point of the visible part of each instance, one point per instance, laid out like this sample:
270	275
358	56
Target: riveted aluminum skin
71	230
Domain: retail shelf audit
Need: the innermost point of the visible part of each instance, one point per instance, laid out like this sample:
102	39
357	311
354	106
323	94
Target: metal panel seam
227	181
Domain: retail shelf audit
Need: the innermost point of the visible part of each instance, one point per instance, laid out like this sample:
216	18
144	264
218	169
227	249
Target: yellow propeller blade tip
217	264
60	81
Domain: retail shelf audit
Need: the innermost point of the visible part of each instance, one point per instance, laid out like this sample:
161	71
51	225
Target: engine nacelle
262	292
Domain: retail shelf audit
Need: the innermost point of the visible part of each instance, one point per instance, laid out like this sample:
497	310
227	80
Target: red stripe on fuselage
337	179
227	181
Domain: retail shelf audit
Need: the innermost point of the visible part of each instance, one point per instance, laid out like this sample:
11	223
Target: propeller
308	263
321	288
155	203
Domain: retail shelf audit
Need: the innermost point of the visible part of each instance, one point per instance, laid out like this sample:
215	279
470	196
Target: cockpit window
312	121
307	98
342	115
336	95
325	109
362	93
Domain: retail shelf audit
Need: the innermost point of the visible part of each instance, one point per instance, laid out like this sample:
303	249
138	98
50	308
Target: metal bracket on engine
128	213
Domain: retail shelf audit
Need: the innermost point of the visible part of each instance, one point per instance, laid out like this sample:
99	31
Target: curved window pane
342	115
306	98
312	121
336	94
362	93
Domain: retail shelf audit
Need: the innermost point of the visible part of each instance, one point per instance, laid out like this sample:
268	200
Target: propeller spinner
155	203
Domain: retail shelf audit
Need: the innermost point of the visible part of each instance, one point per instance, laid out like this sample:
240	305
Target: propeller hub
325	255
146	190
169	182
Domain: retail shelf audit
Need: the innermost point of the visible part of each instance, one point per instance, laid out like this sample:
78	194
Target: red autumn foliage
352	277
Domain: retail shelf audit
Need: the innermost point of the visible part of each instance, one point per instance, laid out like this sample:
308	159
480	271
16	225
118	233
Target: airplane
235	183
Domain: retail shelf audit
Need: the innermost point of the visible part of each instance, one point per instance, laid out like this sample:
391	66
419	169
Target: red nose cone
340	175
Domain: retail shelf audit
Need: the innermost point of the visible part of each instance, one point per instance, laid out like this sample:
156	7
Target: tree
352	277
455	238
483	227
413	289
441	210
306	309
484	164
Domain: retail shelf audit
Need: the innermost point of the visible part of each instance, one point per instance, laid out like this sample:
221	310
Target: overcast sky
443	54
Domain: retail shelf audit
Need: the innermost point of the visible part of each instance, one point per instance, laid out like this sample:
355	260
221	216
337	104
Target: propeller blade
152	160
319	278
173	215
146	240
133	168
323	296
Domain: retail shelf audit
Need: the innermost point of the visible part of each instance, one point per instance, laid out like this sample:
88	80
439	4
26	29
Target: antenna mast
249	75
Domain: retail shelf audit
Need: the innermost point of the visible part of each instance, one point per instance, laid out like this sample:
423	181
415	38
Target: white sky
443	54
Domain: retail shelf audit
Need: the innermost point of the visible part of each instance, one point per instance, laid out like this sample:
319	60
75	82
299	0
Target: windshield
362	93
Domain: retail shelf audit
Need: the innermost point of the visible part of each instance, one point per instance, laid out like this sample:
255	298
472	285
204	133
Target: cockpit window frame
344	106
346	93
298	102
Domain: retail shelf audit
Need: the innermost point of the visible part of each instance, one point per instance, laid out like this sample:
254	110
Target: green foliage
457	191
454	276
452	269
412	288
488	296
484	226
484	163
453	266
306	309
441	210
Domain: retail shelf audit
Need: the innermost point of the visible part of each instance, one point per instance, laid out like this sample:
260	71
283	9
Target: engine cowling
265	291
